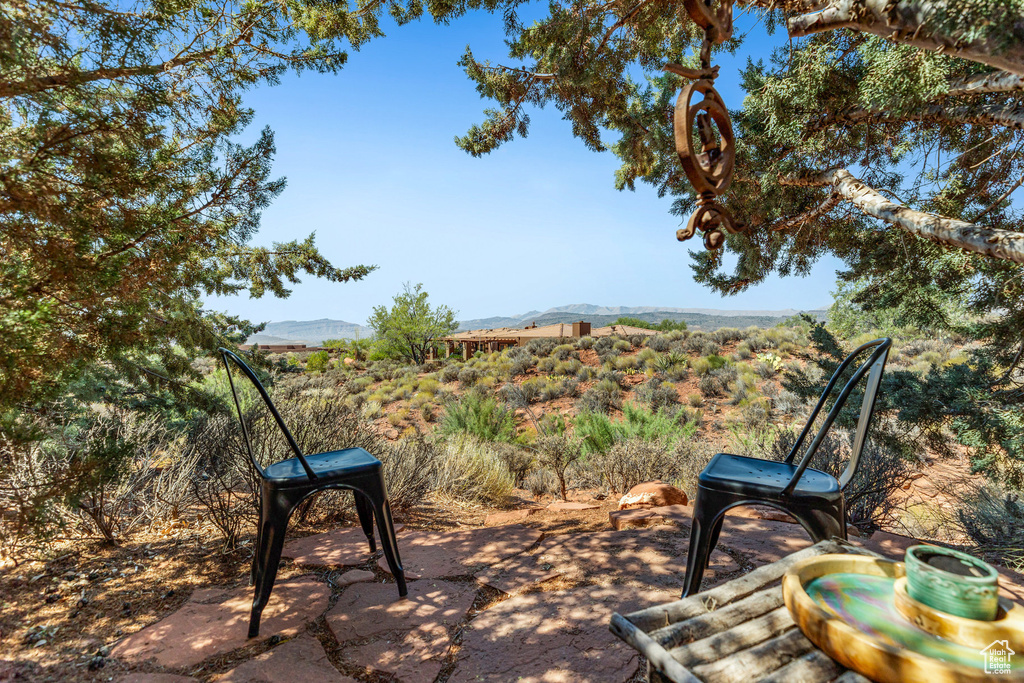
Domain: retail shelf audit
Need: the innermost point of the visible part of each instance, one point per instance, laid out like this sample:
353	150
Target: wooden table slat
664	615
739	638
727	617
813	666
739	631
757	661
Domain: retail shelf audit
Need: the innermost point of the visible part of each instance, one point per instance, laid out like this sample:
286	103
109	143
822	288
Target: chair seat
325	465
765	478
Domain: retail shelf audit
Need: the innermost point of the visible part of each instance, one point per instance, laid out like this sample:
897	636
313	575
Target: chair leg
704	530
823	524
272	531
364	508
388	541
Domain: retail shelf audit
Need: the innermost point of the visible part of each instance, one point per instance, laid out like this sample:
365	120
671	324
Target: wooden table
737	632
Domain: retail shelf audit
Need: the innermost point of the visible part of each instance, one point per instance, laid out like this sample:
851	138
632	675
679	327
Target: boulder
652	494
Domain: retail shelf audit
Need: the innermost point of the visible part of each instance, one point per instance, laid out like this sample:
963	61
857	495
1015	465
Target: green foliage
318	361
408	329
600	398
482	417
598	432
665	325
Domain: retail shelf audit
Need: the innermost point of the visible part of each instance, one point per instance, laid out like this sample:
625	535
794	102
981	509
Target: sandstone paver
301	659
654	558
434	554
342	547
556	637
571	506
375	608
412	633
350	577
509	516
199	630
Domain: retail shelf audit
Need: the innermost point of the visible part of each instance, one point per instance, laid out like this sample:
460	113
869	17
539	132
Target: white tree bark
1001	244
901	21
1010	116
993	82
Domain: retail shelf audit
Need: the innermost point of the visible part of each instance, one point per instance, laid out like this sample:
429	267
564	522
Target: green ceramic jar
952	581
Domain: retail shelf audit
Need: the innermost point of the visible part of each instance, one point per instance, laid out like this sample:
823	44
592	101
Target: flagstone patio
498	603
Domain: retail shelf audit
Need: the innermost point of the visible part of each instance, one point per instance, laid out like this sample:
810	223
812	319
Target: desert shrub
371	410
541	347
617	377
657	394
678	373
689	458
646	357
564	352
410	467
541	482
756	413
586	373
724	335
622	345
710	386
450	373
787	403
546	364
487	382
428	385
633	461
317	361
470	469
398	417
427	412
695	342
599	432
482	417
557	452
701	366
600	398
695	400
468	376
743	351
622	363
604	344
358	384
740	391
569	367
659	343
521	359
518	461
586	342
992	518
551	390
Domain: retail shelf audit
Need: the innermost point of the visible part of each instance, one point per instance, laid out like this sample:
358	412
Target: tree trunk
1001	244
1010	116
993	82
902	21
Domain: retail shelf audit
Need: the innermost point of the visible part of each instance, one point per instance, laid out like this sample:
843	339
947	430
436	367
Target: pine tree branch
1011	116
1001	244
73	78
806	217
902	21
992	82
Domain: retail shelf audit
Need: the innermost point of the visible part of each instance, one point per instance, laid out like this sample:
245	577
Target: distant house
501	338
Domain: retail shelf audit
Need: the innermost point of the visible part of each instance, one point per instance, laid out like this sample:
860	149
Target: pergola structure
500	338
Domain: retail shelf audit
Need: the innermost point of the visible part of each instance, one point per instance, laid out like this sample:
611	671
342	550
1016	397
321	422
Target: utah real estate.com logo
997	657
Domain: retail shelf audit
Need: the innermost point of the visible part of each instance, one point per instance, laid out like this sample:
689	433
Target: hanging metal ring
710	168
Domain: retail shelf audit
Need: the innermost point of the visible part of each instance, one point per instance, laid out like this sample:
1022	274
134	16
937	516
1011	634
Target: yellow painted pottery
846	605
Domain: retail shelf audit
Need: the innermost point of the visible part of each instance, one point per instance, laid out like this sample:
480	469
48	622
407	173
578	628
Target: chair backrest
872	368
231	359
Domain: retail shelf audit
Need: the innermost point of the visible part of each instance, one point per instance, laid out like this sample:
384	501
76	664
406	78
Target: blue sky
372	169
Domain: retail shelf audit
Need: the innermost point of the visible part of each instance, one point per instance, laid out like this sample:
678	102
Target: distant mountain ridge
314	332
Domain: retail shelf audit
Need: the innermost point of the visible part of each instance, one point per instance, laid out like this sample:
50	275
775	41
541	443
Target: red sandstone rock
342	547
302	659
412	634
553	637
566	506
431	554
154	678
634	519
653	494
199	630
509	516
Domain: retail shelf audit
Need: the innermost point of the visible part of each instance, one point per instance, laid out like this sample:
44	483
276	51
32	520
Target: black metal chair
813	497
285	484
